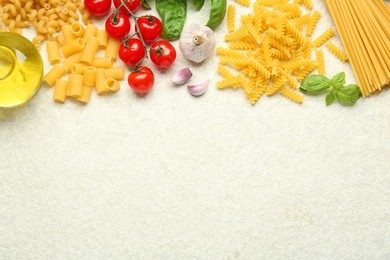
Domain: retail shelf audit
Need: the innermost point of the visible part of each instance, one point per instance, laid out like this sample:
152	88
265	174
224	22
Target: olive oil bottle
21	69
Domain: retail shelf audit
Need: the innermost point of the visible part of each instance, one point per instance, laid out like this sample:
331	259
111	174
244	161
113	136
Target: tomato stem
138	31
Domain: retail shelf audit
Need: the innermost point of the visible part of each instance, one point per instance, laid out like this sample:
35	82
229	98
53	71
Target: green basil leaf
198	4
145	4
338	80
315	84
330	98
173	16
217	13
348	95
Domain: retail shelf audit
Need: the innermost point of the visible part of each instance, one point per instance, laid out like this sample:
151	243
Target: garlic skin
197	42
198	89
181	77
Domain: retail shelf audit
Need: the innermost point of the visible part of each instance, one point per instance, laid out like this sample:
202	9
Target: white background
170	176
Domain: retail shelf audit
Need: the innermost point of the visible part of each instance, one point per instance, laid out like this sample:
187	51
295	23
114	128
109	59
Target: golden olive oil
21	69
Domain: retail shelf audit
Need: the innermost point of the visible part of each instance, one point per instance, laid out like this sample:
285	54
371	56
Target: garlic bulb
197	42
181	77
198	89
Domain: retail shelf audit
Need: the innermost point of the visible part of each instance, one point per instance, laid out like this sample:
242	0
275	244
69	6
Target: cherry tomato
133	5
98	7
142	80
163	54
150	28
131	52
118	26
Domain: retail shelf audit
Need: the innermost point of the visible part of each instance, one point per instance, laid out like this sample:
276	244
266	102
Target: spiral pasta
271	50
320	62
244	2
231	12
323	37
337	51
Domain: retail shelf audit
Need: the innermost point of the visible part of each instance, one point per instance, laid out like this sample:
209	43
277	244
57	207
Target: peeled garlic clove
181	77
198	89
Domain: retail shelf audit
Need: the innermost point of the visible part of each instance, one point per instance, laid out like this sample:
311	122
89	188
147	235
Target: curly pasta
271	50
291	95
320	62
244	2
337	51
312	22
231	11
323	38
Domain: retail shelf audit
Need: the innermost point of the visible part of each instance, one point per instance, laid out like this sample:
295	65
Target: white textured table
169	176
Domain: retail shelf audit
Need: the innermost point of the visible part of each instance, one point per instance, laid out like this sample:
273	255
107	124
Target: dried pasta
86	69
231	18
244	2
363	29
271	51
337	51
323	38
320	62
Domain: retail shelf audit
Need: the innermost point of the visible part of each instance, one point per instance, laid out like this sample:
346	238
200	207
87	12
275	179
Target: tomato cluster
133	48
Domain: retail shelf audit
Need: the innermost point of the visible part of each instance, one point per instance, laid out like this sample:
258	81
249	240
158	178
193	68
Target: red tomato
163	54
118	26
150	28
98	7
142	80
133	5
131	52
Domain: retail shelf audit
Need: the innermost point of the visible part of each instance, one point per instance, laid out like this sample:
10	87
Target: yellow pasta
271	49
53	52
291	95
77	29
231	17
60	90
86	94
321	62
100	81
67	33
55	73
89	76
111	84
112	48
72	47
115	73
337	51
323	38
89	32
102	38
90	50
78	68
312	23
76	85
244	2
103	62
308	4
68	62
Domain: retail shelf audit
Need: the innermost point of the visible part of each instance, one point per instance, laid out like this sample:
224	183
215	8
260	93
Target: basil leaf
315	84
145	4
198	4
217	13
338	80
330	98
173	16
348	95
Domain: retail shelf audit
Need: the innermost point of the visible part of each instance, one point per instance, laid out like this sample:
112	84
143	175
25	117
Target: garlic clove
181	77
198	89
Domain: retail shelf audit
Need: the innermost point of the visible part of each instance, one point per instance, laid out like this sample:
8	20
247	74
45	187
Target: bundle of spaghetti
46	16
271	52
363	29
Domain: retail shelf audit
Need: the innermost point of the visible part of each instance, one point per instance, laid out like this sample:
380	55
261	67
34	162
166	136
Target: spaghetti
363	28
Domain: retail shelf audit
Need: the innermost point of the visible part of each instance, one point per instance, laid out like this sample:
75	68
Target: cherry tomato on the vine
133	5
162	53
142	80
118	25
131	52
150	28
98	7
